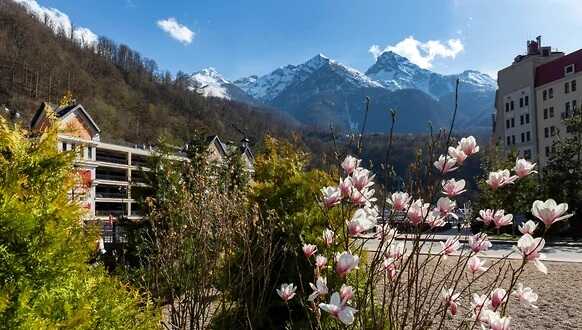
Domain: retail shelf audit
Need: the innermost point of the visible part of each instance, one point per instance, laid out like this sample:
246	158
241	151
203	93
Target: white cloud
59	22
421	53
176	30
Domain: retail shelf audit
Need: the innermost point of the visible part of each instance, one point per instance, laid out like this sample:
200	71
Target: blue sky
243	37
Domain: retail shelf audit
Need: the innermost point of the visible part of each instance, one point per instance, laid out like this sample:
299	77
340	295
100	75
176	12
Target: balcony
109	156
105	209
139	160
106	191
111	174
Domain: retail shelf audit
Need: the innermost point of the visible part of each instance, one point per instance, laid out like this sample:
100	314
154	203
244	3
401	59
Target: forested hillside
131	99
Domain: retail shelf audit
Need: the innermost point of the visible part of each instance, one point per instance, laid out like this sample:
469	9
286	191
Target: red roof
554	70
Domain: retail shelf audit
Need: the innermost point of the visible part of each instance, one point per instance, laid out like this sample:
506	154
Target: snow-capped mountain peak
268	87
397	72
209	82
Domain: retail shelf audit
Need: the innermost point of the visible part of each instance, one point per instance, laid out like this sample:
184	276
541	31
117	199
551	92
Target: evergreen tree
46	280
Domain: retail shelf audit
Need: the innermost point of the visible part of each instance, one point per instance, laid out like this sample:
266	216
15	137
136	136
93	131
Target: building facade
111	174
534	95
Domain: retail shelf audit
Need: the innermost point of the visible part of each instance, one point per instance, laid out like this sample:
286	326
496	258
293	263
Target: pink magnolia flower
479	306
486	216
328	236
399	201
468	145
498	297
417	211
450	299
453	188
435	219
363	219
384	232
479	243
528	228
524	168
339	310
445	164
500	178
476	265
458	154
287	291
530	248
361	178
549	211
309	250
526	295
450	246
350	164
331	196
319	288
345	263
396	250
445	207
496	322
346	293
345	187
362	197
320	261
501	219
389	266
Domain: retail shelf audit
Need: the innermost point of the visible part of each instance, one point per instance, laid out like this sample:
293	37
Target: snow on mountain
208	82
59	22
396	72
266	88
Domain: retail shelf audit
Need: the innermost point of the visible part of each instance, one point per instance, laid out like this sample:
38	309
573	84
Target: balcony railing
103	156
111	176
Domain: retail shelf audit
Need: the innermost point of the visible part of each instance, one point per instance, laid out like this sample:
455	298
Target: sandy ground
560	299
559	303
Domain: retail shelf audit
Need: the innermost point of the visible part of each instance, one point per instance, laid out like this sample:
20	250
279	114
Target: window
506	107
522	137
512	105
64	146
527	118
574	105
547	151
551	93
569	69
526	100
551	112
552	131
89	153
521	102
527	136
547	132
512	122
521	120
507	123
567	109
527	154
573	85
545	93
513	139
546	113
567	88
508	141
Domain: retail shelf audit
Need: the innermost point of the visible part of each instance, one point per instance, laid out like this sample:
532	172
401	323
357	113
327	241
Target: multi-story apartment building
111	175
535	94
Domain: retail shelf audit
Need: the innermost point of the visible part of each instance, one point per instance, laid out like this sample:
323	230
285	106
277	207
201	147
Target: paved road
553	253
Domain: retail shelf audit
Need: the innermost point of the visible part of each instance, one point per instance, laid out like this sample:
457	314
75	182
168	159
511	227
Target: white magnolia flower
319	288
338	310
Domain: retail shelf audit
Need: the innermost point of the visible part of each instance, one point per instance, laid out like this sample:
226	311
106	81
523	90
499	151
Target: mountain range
322	91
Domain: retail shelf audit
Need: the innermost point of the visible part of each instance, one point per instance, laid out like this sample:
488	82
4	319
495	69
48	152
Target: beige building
111	175
535	93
